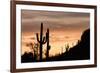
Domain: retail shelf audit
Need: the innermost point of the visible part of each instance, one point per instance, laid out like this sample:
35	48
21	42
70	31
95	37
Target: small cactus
67	47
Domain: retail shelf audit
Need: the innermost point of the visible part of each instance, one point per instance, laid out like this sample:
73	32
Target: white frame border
19	65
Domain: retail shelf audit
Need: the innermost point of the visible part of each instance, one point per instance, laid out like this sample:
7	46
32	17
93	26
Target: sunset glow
65	28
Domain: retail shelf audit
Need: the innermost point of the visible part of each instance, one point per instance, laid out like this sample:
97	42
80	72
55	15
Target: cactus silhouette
48	46
67	48
41	41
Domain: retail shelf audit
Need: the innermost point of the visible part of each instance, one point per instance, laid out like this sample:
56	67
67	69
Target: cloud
31	20
52	14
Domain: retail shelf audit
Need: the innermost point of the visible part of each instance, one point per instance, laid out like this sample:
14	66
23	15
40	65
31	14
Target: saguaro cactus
48	46
41	41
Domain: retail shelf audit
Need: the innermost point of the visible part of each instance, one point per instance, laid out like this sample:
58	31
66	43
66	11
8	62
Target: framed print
52	36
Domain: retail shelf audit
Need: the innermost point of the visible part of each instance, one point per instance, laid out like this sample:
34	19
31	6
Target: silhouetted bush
27	57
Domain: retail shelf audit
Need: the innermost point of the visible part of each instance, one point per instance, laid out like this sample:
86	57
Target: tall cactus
41	41
48	46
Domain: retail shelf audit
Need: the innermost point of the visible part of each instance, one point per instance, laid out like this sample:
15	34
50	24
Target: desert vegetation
80	51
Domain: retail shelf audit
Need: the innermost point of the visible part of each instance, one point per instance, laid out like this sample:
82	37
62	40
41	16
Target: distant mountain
80	51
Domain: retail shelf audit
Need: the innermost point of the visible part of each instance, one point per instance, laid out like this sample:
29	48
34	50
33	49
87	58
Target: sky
64	27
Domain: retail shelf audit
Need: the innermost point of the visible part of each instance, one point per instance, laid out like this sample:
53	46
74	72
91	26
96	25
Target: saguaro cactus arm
44	40
37	37
49	47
